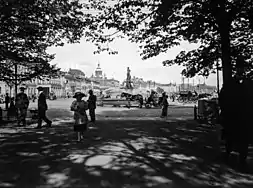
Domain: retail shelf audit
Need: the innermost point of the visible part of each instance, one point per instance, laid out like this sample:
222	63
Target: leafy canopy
222	28
29	27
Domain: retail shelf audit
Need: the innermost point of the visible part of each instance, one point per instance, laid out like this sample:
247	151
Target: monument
129	84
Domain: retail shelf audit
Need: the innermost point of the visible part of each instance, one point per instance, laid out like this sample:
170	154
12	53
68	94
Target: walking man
7	101
42	108
165	105
22	103
92	105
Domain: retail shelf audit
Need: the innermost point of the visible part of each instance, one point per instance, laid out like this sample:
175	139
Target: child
79	107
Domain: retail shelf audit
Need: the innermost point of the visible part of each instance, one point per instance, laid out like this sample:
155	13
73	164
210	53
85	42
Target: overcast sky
80	56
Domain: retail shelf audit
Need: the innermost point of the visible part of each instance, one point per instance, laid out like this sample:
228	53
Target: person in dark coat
42	108
7	101
22	103
12	111
165	105
92	105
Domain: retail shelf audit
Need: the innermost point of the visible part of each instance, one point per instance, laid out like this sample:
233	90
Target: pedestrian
79	107
165	105
173	97
92	105
42	108
141	100
12	111
7	101
22	103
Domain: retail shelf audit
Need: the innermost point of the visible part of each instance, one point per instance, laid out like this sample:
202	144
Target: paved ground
125	149
60	109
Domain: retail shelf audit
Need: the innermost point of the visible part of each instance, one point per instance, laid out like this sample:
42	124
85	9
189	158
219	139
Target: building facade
100	80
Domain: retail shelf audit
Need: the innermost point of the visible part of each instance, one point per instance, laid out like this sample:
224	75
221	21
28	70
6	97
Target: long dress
80	115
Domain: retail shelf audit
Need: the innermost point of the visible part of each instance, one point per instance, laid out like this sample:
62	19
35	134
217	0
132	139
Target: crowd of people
17	107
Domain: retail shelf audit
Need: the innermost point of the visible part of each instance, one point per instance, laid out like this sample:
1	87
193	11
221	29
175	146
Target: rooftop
76	72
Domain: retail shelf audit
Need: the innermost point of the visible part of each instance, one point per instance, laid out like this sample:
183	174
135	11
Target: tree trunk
224	29
16	80
226	55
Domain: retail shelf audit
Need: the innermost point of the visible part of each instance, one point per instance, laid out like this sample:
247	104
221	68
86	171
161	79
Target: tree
28	28
222	28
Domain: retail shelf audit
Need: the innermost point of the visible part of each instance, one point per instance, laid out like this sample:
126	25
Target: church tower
98	72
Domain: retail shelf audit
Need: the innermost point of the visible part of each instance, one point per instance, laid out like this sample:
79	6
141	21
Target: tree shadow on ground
53	114
116	153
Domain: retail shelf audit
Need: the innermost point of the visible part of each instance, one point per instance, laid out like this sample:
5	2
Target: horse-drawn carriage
121	99
154	100
189	96
134	100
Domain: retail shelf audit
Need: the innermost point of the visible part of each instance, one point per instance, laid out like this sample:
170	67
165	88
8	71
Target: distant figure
92	105
42	108
165	105
79	107
141	100
7	101
101	95
173	97
12	112
22	103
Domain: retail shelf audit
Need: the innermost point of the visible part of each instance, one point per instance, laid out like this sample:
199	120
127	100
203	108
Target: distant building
168	88
4	88
98	72
101	81
203	88
74	80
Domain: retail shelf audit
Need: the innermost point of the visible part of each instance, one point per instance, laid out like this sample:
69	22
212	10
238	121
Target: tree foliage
29	27
222	28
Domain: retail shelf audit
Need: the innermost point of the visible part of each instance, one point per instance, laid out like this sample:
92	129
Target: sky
81	56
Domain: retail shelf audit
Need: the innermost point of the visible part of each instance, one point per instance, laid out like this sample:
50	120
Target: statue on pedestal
128	79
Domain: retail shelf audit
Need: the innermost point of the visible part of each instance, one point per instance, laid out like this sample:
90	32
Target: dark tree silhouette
28	28
222	28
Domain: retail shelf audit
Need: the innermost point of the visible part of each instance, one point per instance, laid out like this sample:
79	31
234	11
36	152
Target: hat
79	93
40	88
